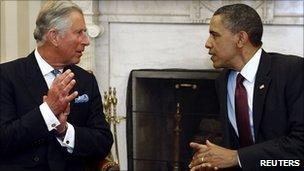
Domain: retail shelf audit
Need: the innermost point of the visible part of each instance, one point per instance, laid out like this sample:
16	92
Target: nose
208	43
85	40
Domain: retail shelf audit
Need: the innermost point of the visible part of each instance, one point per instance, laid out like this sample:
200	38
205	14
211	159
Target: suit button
36	158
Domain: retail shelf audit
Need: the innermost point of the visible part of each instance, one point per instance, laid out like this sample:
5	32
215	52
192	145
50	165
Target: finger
201	149
69	87
66	80
200	159
196	146
62	118
199	154
209	144
72	96
200	167
67	110
207	164
60	77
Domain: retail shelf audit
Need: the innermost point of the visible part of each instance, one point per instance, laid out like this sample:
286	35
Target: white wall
17	26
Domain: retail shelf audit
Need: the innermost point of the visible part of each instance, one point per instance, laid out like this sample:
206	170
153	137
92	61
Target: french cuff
69	139
239	160
49	118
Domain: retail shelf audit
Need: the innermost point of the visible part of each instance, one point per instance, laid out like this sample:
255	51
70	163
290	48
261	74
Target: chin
217	66
76	61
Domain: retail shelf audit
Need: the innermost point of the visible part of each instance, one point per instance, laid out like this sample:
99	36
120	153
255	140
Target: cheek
226	48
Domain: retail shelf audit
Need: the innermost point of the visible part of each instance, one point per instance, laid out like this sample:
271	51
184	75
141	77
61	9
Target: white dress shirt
249	73
49	117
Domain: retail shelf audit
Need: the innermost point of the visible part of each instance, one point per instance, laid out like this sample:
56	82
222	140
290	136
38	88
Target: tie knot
55	72
239	78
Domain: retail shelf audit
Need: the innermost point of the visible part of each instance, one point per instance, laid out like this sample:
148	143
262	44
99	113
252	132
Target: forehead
77	20
216	22
216	25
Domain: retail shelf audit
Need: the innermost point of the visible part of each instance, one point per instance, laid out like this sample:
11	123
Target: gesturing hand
62	117
211	155
58	96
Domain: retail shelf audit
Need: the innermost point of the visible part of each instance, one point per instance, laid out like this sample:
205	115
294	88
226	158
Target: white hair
54	14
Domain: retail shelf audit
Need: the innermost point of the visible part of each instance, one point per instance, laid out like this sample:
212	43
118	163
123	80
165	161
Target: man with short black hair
261	96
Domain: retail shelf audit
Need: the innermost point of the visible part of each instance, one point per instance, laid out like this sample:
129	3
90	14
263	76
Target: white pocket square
82	99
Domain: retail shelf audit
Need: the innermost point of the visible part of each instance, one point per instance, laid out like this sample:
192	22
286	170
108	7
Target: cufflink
261	87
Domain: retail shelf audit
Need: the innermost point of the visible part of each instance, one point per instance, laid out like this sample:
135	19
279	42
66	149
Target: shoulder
15	66
14	63
19	63
82	74
286	69
283	63
80	71
285	59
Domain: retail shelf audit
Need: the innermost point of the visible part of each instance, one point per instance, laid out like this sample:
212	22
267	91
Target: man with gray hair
51	114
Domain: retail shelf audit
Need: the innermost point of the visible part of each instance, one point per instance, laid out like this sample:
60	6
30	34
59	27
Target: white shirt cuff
69	138
50	119
239	160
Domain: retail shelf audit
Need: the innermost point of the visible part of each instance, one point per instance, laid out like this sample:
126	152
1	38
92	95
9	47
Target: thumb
196	146
44	98
208	143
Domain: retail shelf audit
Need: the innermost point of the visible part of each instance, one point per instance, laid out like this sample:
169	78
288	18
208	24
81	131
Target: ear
242	39
53	37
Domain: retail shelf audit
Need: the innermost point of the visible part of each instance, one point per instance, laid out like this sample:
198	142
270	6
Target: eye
80	32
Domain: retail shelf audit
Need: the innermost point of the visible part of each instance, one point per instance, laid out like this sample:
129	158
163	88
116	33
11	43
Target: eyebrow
214	33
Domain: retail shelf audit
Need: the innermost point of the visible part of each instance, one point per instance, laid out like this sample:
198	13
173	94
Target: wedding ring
202	159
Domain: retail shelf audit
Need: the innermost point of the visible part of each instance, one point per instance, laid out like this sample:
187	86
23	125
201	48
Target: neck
245	55
47	53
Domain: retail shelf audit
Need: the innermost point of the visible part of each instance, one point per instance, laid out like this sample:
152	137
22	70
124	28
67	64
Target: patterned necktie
241	113
55	72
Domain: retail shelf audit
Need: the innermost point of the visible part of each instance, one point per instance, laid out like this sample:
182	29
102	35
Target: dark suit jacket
278	114
26	143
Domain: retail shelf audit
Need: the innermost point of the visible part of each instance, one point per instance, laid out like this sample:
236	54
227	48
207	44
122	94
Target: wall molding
198	11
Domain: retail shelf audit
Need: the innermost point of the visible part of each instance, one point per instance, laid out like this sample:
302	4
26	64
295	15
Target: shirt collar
43	65
251	67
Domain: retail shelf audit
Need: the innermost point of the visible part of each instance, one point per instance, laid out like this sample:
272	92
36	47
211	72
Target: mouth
80	52
212	56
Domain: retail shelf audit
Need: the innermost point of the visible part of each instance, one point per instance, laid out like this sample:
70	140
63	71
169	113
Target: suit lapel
223	90
34	79
261	86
